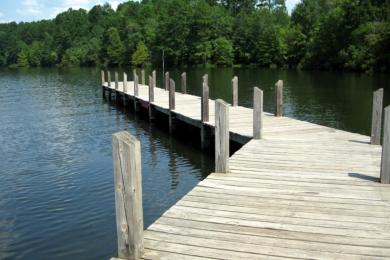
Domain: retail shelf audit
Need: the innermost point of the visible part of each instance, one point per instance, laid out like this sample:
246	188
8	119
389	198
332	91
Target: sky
32	10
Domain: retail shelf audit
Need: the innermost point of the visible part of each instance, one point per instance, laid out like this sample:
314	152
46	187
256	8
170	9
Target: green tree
23	59
115	48
140	56
223	51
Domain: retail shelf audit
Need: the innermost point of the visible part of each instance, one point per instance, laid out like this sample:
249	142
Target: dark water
56	184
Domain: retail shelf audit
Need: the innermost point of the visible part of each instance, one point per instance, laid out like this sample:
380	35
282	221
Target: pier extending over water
294	190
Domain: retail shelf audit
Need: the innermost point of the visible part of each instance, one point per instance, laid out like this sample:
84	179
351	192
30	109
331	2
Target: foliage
320	34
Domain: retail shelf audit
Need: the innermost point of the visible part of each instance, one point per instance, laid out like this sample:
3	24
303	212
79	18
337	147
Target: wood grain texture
126	152
221	136
124	82
235	91
376	124
205	100
171	94
385	167
257	113
279	98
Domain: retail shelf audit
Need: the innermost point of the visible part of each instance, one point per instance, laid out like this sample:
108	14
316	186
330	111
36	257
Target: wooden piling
151	97
143	77
109	78
235	91
205	100
184	83
376	124
279	98
102	77
124	82
135	85
171	104
221	136
385	167
167	80
116	80
257	113
154	79
126	154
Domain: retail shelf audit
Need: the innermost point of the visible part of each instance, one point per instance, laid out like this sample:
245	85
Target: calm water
56	183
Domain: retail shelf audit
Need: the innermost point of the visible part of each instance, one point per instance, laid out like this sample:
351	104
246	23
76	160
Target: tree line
319	34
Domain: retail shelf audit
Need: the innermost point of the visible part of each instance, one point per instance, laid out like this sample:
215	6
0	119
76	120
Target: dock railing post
257	113
184	83
135	91
279	98
116	80
167	80
108	78
376	124
385	165
154	79
124	82
221	136
126	154
172	104
204	135
102	76
151	96
143	77
235	91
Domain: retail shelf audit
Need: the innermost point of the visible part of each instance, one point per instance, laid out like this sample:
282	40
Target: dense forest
319	34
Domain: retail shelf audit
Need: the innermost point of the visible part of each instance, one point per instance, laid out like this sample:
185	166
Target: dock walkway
303	191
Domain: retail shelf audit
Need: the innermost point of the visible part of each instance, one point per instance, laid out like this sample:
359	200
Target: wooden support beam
184	83
124	82
126	154
205	100
221	136
376	124
154	79
279	98
136	85
109	78
257	113
235	91
167	80
385	166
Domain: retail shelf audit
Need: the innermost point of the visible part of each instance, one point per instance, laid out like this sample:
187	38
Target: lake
56	192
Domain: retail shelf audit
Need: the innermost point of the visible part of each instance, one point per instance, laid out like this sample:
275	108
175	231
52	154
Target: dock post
154	78
257	113
221	136
108	78
126	155
116	77
184	83
135	91
171	104
235	91
204	135
151	97
143	77
124	89
102	77
385	166
167	80
376	124
279	98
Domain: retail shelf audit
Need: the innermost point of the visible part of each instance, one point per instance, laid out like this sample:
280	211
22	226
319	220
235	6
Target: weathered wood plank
385	167
257	113
221	136
376	124
126	152
205	99
172	103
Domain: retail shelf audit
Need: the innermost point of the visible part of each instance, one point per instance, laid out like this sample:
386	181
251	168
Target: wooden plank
221	136
279	98
184	83
385	166
376	124
126	150
257	113
235	91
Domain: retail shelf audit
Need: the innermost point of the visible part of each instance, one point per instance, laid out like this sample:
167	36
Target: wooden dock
302	191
